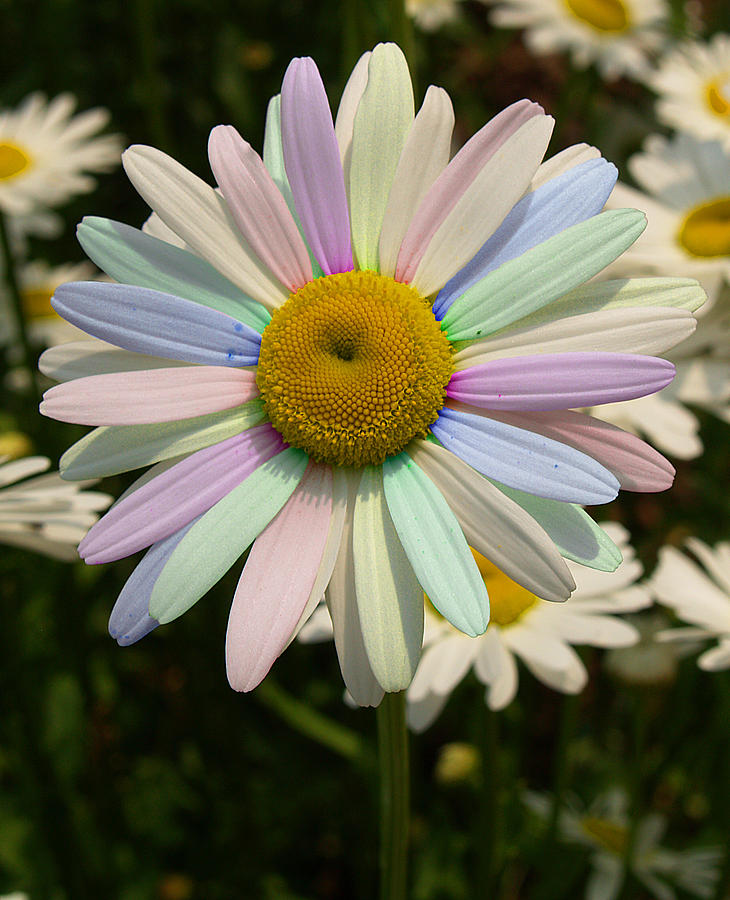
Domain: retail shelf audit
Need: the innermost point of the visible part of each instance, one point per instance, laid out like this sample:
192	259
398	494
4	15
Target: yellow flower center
352	367
37	303
507	599
603	15
706	229
13	160
718	95
608	834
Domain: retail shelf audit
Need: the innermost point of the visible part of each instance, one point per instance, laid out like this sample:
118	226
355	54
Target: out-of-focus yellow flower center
15	445
507	599
706	229
37	303
608	834
603	15
13	160
352	367
718	95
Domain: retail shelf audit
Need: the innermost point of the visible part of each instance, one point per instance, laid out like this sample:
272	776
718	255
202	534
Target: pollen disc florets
352	367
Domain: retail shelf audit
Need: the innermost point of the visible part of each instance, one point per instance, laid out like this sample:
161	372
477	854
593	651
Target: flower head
693	84
522	626
619	36
44	513
360	358
46	153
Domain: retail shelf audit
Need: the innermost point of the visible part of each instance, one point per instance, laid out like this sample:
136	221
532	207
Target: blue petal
146	321
572	197
130	620
524	460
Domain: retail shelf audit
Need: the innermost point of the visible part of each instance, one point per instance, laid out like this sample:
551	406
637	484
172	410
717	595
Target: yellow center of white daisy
718	95
352	367
604	15
13	160
705	230
508	601
608	834
37	303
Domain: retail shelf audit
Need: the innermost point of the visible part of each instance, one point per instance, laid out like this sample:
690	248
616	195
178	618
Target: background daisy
618	36
693	86
698	595
47	153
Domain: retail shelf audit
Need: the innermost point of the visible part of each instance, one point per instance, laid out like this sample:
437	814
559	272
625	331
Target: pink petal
637	466
312	160
551	381
258	207
170	500
455	180
149	396
277	580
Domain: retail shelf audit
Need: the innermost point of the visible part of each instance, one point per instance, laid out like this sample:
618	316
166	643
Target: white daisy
701	598
604	828
538	632
45	513
647	663
693	83
618	36
430	15
38	282
46	152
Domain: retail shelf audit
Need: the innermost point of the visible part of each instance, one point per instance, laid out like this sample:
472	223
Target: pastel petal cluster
484	257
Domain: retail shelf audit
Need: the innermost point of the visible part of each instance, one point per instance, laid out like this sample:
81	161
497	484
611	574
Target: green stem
310	723
638	733
722	888
11	280
489	814
394	796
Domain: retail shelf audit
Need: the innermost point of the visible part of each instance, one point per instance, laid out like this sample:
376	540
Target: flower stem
636	773
488	815
16	298
394	796
310	723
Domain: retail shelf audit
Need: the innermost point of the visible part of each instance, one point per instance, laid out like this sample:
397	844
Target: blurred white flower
604	828
693	84
701	598
45	513
46	152
430	15
648	663
37	282
619	36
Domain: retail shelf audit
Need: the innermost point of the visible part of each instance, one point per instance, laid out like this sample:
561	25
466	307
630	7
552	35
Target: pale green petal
435	545
384	116
389	597
132	257
542	274
678	293
274	161
121	448
219	538
572	530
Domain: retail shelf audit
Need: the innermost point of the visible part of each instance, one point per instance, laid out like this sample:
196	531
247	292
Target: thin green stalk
488	818
394	796
636	771
310	723
16	298
722	888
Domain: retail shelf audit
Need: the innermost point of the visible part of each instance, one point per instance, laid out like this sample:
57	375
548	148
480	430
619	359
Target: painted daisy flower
618	36
37	281
604	827
693	84
46	152
45	514
375	354
525	627
701	598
